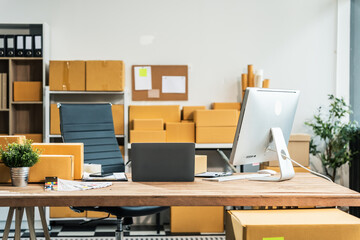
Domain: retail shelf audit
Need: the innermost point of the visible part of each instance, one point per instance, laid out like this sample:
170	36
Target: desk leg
18	218
8	223
43	222
30	219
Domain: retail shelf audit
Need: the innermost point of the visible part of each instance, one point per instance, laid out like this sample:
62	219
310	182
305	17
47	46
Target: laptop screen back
162	162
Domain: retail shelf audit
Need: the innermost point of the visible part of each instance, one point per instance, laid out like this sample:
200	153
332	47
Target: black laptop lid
162	162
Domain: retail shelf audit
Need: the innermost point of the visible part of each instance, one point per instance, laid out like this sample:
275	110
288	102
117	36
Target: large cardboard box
294	224
30	91
65	212
118	118
138	136
61	166
148	124
34	137
215	134
67	75
188	111
169	113
54	119
200	163
197	219
227	105
74	149
180	132
105	76
298	147
215	118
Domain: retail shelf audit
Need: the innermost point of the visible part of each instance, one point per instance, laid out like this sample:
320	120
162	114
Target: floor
105	230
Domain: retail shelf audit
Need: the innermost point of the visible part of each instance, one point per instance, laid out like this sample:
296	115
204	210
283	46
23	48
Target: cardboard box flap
300	137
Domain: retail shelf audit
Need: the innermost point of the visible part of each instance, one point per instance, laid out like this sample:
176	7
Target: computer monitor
264	128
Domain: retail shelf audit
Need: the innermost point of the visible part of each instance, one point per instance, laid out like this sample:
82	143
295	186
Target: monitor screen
262	110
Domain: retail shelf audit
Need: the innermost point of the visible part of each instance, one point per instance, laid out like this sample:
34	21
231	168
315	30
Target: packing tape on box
92	168
66	82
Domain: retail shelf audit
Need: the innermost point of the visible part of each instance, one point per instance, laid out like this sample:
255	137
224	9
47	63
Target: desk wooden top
303	190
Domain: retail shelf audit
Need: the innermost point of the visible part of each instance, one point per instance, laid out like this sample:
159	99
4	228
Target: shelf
37	102
4	110
207	145
21	58
83	92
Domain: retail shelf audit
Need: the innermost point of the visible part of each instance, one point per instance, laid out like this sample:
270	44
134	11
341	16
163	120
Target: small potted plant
19	158
333	133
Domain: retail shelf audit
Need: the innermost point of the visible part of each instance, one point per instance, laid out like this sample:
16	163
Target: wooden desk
303	190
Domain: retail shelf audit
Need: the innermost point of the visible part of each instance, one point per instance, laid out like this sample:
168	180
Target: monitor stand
286	167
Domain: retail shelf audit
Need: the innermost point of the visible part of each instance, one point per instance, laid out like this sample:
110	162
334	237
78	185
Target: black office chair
92	124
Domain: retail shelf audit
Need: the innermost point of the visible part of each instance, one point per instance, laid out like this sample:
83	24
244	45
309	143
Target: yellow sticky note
274	238
143	72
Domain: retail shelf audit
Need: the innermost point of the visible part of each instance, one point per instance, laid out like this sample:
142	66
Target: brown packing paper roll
266	83
251	76
244	81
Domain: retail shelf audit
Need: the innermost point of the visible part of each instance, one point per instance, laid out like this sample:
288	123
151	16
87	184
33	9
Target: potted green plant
333	132
19	158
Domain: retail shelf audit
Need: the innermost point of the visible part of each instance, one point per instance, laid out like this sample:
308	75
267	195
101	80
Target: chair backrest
92	124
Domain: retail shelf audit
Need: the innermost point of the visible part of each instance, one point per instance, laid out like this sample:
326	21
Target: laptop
162	162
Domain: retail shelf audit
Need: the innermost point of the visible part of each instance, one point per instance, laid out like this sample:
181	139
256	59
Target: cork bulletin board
159	73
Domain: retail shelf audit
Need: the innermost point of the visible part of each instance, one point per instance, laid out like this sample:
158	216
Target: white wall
293	41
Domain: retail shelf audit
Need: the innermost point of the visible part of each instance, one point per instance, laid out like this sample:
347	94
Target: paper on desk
173	84
143	78
67	185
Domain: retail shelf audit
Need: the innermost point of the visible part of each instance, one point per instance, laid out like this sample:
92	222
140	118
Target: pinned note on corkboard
159	82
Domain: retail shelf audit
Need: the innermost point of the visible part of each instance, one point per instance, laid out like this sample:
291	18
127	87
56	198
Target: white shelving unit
84	97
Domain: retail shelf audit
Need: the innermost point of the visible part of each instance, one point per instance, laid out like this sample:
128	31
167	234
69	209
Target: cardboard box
197	219
180	132
6	139
118	118
215	118
200	164
105	76
65	212
137	136
215	134
148	124
298	147
293	224
67	75
188	111
61	166
54	119
74	149
27	91
93	214
227	105
169	113
34	137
